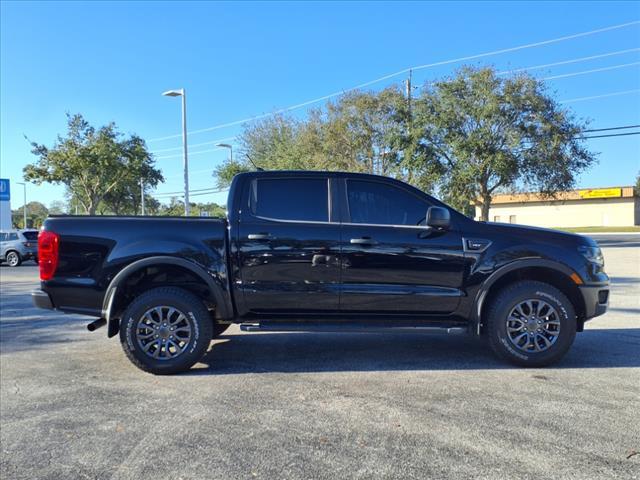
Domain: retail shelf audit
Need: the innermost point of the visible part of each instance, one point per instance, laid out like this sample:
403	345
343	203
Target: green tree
481	132
366	131
360	132
58	207
176	208
36	215
124	199
92	162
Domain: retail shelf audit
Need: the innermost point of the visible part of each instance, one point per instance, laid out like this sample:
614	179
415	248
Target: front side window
382	204
301	199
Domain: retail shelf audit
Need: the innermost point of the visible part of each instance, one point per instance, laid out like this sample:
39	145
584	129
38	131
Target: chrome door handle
259	236
363	241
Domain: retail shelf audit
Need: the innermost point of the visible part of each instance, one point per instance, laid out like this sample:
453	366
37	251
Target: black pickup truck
321	251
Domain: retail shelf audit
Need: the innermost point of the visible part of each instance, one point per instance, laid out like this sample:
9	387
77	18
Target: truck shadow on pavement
33	330
323	352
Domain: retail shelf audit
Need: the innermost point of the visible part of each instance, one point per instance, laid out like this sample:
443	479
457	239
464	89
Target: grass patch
599	229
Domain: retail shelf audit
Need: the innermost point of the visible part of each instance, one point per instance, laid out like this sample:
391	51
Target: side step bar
358	327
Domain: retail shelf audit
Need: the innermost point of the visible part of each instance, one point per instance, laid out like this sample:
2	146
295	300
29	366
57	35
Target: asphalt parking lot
295	405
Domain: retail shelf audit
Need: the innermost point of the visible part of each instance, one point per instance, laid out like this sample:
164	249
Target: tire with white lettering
166	330
531	324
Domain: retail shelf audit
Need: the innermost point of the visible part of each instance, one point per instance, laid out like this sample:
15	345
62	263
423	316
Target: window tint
381	204
303	199
30	235
13	236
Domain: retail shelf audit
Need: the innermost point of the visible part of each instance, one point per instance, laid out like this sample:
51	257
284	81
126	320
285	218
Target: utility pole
408	88
406	152
24	207
142	195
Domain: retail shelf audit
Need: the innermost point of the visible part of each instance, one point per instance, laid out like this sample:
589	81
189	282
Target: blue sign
5	191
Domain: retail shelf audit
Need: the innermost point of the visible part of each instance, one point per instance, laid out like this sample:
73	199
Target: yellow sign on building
601	193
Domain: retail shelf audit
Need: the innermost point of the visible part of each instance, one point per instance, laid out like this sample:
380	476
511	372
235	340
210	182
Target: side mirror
438	217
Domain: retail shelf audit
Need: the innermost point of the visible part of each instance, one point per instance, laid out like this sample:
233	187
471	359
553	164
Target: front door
288	247
392	262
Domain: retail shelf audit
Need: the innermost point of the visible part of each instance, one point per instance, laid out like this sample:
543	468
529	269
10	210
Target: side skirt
359	327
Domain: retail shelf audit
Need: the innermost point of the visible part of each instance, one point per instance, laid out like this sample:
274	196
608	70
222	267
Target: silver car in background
17	246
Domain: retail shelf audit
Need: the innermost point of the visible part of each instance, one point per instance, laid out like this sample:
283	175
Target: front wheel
531	324
13	259
166	330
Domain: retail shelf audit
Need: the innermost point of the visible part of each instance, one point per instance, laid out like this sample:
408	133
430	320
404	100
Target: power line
573	60
611	135
209	193
401	72
194	145
565	75
612	128
595	97
199	190
179	155
570	100
190	172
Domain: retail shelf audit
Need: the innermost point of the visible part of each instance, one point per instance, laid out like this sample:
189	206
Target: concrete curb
593	234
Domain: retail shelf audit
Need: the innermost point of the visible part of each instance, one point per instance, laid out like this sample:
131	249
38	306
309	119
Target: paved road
324	406
625	240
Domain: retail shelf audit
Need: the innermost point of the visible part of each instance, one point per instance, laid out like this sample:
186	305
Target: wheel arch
212	291
12	250
553	273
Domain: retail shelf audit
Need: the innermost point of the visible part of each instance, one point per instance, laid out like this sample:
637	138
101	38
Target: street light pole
183	94
230	147
24	207
142	195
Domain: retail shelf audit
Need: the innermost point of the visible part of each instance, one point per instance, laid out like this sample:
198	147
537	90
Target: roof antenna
256	167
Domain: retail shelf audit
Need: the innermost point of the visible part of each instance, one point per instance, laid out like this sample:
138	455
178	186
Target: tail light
48	245
26	244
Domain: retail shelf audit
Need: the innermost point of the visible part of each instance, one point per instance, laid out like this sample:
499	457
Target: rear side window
31	236
381	204
302	199
12	236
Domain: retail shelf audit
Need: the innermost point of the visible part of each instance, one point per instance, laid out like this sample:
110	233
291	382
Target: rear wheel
166	330
13	259
531	324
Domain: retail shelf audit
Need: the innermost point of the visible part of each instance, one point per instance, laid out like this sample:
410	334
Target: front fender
483	290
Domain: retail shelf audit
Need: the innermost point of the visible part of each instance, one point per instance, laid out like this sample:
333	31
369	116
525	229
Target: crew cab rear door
288	245
392	262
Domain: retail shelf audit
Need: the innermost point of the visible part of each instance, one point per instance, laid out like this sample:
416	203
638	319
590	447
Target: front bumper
41	299
596	300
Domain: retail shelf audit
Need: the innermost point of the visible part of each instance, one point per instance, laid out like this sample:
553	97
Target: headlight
593	254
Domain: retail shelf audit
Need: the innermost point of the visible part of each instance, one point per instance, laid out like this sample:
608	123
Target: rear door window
299	199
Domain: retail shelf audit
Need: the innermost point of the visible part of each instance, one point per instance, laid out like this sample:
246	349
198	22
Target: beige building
598	207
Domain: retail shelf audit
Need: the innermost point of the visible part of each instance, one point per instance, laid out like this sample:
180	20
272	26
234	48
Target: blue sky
111	61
